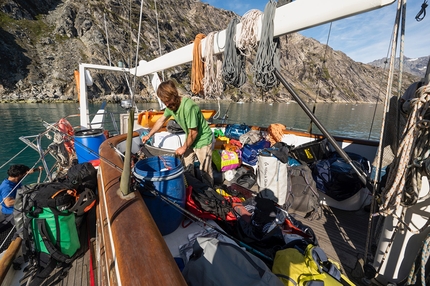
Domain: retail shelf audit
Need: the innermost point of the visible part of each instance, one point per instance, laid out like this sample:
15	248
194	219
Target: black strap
7	218
43	274
53	251
26	246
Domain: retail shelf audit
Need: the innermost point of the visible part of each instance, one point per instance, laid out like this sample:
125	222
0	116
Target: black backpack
45	219
82	176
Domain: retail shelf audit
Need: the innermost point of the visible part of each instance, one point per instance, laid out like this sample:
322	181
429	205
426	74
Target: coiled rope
233	67
197	70
422	13
416	129
247	39
267	59
212	80
420	261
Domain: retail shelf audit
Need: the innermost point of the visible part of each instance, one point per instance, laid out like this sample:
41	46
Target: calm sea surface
348	120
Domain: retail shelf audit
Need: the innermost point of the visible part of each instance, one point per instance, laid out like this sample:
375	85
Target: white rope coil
212	80
247	39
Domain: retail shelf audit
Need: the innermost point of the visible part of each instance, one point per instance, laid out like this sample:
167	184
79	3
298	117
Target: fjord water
349	120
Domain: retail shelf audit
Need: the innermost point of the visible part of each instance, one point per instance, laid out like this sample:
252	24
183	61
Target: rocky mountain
42	42
415	66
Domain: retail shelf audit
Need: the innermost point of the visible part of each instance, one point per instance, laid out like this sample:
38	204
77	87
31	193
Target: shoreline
116	101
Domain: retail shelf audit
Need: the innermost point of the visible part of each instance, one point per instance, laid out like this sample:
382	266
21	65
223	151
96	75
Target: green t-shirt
189	116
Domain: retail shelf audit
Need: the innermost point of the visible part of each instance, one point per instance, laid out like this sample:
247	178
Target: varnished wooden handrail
142	256
8	257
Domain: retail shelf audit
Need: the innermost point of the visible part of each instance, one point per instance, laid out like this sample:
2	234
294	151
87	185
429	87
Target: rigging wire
132	91
385	67
380	152
158	34
11	232
107	39
130	55
319	86
16	155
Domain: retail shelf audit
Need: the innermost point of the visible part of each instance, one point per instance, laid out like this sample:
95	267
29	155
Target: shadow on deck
342	235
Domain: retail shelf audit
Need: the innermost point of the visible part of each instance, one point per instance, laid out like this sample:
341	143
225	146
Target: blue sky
365	37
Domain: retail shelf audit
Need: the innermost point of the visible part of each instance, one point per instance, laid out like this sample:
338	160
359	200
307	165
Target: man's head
168	94
16	171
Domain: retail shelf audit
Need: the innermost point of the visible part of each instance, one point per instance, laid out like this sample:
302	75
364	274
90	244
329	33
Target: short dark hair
17	170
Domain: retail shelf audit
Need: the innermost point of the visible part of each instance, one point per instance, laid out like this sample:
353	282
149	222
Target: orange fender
67	130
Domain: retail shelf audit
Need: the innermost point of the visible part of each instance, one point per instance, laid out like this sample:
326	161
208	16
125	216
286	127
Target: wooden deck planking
342	235
79	273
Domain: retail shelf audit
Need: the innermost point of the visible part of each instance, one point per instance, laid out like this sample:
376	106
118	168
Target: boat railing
42	141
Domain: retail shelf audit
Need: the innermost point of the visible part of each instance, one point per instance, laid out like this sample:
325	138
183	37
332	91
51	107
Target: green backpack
45	218
48	238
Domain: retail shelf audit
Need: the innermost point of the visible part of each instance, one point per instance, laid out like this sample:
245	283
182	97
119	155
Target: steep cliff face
42	42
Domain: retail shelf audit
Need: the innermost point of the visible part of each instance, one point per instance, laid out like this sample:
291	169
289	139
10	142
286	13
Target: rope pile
275	132
233	67
212	80
197	70
247	39
413	145
267	58
419	267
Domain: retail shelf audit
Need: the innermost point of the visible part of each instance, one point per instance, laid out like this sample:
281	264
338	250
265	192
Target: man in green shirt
188	115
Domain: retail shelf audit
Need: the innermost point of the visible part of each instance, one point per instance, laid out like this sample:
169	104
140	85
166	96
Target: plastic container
167	140
312	151
165	175
87	143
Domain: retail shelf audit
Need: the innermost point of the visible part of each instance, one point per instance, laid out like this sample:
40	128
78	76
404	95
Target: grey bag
303	195
219	263
250	137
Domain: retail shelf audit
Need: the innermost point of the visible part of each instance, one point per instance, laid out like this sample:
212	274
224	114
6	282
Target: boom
293	17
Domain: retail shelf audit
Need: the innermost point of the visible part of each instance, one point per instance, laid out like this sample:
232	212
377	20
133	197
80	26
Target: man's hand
181	150
145	138
31	171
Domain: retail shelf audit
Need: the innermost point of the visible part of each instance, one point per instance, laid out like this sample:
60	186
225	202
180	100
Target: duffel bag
250	152
219	263
233	131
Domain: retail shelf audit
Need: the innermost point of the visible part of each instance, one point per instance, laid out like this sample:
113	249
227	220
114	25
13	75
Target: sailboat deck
342	236
79	274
